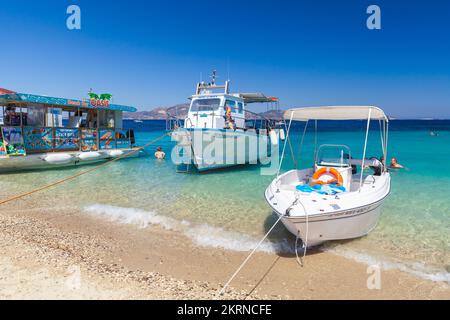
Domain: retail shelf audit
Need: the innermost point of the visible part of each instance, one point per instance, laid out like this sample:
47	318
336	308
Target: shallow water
227	208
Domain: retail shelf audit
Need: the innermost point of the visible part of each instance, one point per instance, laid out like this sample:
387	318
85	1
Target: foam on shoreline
205	235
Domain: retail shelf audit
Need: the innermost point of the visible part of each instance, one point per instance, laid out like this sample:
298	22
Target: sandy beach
55	254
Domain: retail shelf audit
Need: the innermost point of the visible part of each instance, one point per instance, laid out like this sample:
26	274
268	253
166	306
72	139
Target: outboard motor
130	136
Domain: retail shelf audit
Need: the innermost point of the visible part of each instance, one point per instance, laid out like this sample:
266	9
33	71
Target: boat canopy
256	98
336	113
12	98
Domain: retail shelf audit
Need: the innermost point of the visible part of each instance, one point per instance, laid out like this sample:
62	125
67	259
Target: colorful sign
13	141
88	134
106	140
66	138
37	138
89	139
2	146
2	149
101	100
122	141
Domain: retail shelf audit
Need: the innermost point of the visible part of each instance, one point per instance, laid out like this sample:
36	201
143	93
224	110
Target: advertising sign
122	141
106	140
66	138
13	141
37	138
89	139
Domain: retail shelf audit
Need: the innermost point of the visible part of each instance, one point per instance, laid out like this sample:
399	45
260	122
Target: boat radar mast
203	87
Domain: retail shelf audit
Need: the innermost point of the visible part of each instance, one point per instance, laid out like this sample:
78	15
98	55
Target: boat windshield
205	104
333	156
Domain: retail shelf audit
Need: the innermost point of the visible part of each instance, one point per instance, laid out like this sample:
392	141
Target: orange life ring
337	177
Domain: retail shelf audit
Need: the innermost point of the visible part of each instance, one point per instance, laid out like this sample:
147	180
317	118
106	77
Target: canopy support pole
365	149
301	143
284	147
386	135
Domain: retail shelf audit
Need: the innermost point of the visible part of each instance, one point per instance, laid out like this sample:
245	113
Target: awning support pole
285	142
365	148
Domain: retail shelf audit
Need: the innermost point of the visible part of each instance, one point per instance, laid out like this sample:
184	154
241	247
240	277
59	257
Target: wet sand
66	254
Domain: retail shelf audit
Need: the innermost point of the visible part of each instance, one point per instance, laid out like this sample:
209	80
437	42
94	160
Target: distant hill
181	111
160	113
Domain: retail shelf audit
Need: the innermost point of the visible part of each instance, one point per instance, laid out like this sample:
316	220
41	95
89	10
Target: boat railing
258	121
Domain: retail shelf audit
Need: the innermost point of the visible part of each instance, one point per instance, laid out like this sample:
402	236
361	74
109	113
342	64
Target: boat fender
282	135
273	137
60	158
86	156
338	180
115	153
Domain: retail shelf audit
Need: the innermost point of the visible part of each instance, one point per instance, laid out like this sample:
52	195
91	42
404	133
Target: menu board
106	140
122	141
13	141
66	138
89	139
37	138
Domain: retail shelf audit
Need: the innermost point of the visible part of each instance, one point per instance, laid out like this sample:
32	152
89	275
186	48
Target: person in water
395	164
160	154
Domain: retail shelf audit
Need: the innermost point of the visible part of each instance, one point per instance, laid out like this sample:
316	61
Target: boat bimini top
336	113
367	113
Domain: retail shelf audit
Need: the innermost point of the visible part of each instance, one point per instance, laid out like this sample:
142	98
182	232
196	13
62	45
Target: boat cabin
210	109
32	124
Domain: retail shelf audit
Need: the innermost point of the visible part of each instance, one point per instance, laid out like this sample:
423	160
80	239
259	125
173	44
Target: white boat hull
348	224
60	159
212	149
316	218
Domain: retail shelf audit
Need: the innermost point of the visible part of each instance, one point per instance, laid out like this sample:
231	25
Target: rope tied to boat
222	291
300	261
104	164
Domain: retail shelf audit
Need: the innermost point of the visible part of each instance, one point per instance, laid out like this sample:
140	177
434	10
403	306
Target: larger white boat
220	132
332	200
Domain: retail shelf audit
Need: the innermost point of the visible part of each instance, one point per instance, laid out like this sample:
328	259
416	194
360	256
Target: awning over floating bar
14	98
336	113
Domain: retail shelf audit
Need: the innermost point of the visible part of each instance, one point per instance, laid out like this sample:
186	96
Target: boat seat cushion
328	189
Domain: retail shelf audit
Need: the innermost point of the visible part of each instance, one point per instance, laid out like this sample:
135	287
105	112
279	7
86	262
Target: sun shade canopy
33	100
336	113
256	98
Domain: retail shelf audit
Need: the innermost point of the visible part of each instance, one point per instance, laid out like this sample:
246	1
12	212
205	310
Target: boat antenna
213	77
228	68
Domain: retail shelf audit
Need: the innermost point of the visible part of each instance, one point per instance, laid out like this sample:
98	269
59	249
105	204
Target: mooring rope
47	186
300	261
222	291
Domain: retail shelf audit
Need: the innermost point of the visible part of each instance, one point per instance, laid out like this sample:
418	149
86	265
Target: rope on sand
47	186
222	291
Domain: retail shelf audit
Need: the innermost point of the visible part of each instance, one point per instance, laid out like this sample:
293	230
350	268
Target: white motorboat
339	197
220	132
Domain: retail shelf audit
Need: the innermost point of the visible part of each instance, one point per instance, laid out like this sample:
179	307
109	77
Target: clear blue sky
151	53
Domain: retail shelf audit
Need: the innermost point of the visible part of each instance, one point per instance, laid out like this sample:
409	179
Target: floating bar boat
41	132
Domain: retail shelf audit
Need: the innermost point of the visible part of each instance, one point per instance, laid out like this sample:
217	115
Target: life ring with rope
337	180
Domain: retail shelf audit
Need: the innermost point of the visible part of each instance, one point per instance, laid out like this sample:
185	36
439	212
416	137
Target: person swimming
395	165
160	154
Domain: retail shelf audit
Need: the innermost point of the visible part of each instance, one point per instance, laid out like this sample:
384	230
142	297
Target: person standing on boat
160	154
228	118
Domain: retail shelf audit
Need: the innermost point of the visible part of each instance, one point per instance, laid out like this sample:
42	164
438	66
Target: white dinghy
332	200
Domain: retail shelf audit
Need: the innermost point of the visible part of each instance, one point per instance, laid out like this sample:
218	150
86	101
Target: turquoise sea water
227	208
